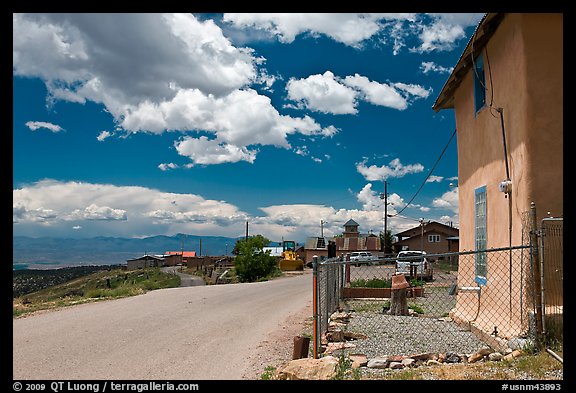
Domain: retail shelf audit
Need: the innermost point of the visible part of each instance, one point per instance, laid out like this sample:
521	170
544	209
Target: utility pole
246	230
322	228
422	235
385	197
385	213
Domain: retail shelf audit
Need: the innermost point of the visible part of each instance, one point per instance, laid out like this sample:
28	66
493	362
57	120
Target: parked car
362	257
414	264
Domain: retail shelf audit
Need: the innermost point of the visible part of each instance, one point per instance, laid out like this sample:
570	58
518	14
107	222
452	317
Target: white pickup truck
358	258
413	263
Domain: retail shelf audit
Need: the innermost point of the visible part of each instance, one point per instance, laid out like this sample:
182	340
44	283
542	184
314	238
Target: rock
441	357
358	360
397	358
433	362
485	351
424	356
495	356
452	357
514	354
335	336
408	362
378	362
396	365
519	343
340	317
475	357
331	347
335	325
309	369
354	336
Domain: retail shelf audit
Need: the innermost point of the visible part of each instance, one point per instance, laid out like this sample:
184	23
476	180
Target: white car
413	264
362	257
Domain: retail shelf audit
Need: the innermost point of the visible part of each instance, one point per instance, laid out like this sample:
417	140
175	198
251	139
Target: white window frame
480	235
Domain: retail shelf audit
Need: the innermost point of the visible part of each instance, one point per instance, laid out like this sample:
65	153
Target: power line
429	174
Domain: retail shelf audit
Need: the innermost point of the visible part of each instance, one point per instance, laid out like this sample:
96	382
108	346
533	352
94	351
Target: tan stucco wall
525	56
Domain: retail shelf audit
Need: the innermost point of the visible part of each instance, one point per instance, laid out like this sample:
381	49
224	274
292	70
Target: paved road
186	333
186	280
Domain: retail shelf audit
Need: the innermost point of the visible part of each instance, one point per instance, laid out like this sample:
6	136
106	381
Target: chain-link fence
455	302
552	257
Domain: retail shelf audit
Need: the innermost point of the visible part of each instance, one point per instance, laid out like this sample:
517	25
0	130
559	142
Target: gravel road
186	280
187	333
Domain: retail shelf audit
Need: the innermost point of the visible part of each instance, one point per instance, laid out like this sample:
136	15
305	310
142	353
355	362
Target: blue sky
136	125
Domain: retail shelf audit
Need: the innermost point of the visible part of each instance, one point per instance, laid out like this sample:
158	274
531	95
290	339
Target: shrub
371	283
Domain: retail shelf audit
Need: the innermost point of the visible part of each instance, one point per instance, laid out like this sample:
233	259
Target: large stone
397	358
520	343
408	362
354	336
335	336
331	347
358	360
475	357
424	356
433	362
485	351
452	357
495	356
342	317
309	369
378	362
335	325
512	355
396	365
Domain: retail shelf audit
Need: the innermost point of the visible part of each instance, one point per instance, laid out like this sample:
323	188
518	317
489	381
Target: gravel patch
408	335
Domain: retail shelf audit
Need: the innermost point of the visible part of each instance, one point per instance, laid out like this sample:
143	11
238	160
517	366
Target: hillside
109	283
48	252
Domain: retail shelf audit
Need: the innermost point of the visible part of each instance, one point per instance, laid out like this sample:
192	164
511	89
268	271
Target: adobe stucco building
507	94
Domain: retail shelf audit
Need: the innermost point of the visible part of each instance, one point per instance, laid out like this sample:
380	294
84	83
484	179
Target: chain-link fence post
536	273
315	299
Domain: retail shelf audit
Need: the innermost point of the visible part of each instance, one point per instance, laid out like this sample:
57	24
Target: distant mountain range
48	253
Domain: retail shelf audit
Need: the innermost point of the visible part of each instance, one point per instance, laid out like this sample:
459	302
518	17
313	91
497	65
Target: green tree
251	262
386	241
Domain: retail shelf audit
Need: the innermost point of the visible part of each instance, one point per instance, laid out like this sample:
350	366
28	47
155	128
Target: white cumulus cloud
167	166
429	66
328	93
394	169
103	135
448	200
35	125
432	31
205	151
322	93
168	72
130	211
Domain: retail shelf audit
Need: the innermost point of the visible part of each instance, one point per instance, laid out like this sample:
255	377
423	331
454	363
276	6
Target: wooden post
399	302
398	298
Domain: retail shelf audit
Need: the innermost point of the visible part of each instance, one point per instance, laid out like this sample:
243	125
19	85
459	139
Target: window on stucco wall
480	234
479	84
